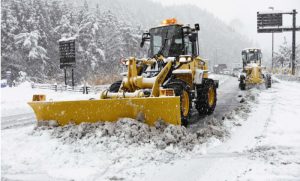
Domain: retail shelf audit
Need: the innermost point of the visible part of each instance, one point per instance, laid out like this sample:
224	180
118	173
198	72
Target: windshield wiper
164	45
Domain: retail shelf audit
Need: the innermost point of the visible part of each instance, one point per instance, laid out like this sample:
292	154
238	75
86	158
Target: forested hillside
105	32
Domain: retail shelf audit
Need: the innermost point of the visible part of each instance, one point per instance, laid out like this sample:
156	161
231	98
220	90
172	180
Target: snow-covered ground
15	110
264	144
258	140
13	100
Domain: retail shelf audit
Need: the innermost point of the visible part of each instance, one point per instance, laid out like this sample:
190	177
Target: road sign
67	53
269	30
269	19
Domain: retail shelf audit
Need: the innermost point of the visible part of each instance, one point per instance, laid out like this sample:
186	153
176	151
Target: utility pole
217	61
272	50
294	42
73	78
65	71
272	43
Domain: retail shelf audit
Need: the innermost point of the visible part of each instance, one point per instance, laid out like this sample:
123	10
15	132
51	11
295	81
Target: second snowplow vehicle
162	87
253	73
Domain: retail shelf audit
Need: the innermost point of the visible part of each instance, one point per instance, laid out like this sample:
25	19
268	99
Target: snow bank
99	151
288	77
132	132
277	150
14	99
93	151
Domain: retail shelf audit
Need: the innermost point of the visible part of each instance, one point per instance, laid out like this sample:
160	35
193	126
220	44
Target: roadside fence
83	89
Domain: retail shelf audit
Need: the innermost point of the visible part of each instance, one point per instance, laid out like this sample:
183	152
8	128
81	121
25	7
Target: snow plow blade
148	110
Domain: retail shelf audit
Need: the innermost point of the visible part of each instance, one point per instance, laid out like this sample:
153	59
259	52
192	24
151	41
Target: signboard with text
67	53
269	19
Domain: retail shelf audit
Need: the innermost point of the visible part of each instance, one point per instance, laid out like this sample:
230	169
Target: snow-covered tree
282	58
105	32
36	55
29	42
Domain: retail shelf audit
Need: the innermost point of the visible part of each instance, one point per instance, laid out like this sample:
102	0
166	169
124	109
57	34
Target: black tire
115	86
203	104
242	84
268	81
182	89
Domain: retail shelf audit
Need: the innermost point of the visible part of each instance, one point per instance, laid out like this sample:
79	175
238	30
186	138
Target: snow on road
277	145
264	145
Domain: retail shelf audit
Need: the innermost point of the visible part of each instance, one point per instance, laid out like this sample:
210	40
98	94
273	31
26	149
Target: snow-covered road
17	120
265	147
264	143
228	98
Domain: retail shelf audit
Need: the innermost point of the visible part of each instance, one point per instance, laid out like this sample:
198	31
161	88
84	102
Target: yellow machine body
138	96
132	103
254	75
197	63
252	68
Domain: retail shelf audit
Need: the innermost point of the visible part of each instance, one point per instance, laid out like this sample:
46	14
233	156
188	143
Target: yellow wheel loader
253	73
161	87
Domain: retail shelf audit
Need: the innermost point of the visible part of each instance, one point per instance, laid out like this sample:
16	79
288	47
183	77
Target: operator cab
251	55
172	39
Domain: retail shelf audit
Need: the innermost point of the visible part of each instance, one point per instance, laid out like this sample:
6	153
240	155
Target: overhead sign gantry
271	22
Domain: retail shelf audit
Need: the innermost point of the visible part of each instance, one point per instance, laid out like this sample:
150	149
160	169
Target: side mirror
145	37
186	30
197	27
142	43
193	37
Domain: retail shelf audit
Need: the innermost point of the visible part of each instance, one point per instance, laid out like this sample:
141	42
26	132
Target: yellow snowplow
253	72
161	87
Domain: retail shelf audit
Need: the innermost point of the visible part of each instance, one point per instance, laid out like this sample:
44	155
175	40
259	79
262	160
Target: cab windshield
251	56
167	41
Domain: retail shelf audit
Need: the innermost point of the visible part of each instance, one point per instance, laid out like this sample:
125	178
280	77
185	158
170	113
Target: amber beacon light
169	21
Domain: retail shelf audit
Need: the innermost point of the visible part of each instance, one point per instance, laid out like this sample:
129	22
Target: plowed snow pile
99	151
131	132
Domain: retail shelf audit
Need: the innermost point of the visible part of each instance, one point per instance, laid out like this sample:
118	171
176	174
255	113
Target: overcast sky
245	12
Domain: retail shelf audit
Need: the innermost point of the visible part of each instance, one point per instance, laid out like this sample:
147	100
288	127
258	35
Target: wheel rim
185	103
211	96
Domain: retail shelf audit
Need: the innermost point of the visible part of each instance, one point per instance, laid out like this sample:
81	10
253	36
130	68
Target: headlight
182	60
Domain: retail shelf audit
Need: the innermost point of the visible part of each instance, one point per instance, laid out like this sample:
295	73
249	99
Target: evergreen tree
283	56
31	30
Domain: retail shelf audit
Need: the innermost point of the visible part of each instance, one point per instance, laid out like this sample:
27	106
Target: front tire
183	90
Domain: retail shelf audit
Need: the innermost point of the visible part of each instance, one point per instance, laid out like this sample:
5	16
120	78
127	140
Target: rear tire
115	86
183	90
206	97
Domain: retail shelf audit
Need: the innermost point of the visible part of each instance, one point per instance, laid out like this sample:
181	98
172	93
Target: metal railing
82	89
